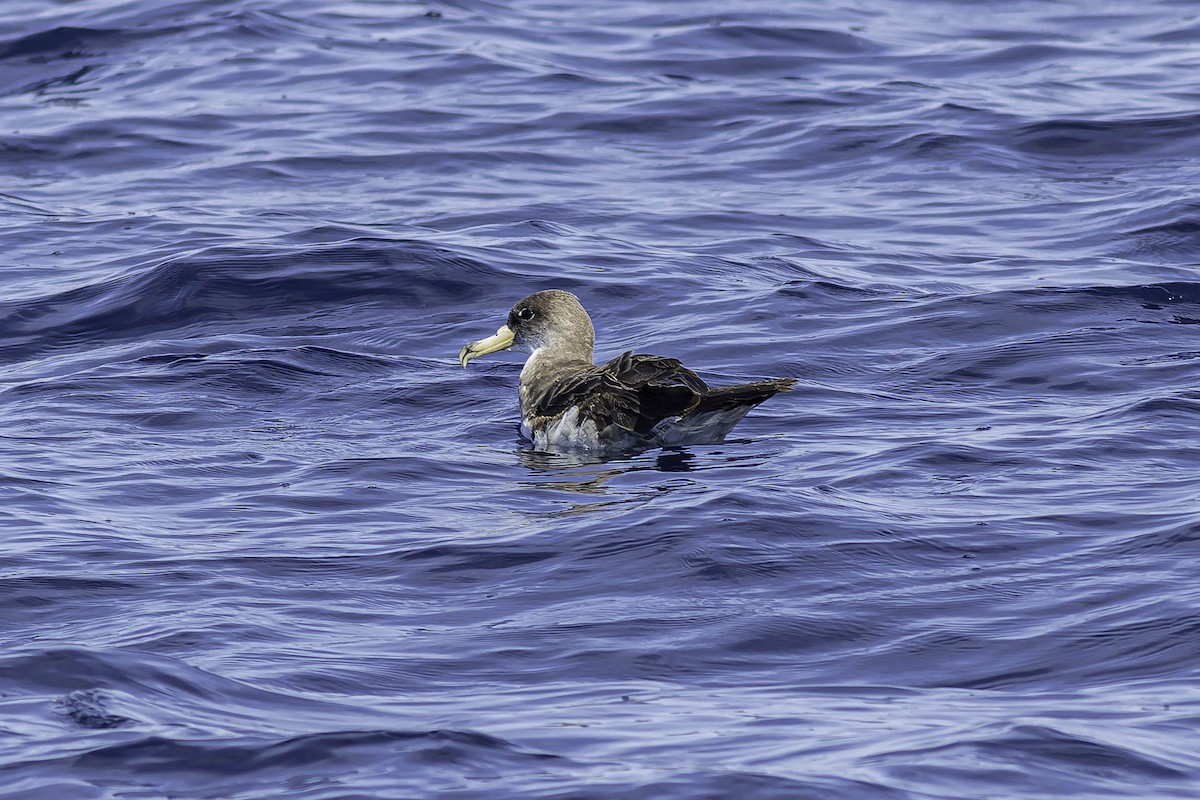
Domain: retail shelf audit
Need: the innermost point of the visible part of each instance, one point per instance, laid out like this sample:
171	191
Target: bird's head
548	319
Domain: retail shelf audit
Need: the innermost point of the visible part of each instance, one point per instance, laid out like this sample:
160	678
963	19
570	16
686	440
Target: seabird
632	402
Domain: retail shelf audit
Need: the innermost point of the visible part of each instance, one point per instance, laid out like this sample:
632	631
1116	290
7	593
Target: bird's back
639	400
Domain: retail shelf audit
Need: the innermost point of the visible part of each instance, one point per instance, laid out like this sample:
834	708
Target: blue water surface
263	537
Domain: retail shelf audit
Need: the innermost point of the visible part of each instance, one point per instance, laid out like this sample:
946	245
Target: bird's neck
546	365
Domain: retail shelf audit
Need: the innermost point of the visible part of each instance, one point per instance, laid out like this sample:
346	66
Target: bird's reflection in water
580	473
674	461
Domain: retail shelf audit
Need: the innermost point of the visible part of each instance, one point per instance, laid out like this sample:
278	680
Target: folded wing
631	392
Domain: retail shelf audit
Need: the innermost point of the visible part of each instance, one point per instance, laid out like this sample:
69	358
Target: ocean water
264	538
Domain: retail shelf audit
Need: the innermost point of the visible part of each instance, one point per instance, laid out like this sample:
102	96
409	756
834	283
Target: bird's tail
744	395
714	416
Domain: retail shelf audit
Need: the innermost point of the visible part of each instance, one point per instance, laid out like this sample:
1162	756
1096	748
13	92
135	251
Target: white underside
567	433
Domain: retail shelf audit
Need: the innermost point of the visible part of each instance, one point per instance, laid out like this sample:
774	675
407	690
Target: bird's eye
525	314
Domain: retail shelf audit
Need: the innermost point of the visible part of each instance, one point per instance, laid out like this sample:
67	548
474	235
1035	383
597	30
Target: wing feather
633	392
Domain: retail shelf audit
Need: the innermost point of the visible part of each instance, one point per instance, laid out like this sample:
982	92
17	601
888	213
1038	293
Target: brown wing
633	392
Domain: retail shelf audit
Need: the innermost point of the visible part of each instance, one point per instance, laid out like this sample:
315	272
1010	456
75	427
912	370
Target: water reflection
631	479
580	474
555	463
674	461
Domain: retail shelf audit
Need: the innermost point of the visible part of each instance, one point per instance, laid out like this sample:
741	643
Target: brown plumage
633	401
